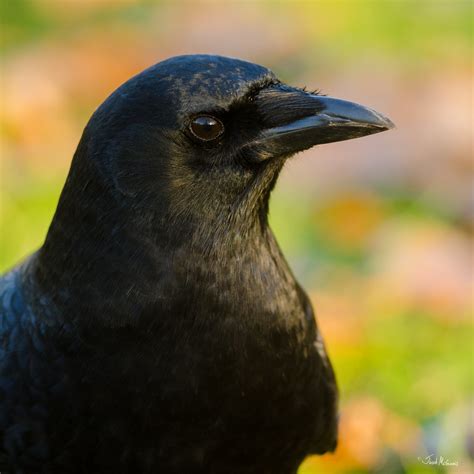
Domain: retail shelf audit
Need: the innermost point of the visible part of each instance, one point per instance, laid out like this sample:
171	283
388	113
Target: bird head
177	166
201	138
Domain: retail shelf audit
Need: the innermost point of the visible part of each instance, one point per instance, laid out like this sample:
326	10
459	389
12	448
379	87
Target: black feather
159	328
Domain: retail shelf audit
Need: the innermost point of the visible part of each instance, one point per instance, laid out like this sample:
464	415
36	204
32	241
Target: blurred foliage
379	230
400	28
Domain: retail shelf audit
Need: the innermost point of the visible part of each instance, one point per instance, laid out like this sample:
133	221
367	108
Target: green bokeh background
379	230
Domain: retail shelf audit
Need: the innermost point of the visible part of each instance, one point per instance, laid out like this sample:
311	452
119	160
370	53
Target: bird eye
206	127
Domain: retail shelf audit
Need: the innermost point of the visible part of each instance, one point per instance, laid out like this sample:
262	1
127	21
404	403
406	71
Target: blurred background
379	230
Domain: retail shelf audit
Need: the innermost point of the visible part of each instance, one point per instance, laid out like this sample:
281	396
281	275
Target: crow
159	329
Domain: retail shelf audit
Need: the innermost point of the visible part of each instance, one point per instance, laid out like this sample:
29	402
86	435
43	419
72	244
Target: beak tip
384	122
365	117
373	118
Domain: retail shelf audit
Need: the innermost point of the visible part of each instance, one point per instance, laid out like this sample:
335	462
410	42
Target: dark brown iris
206	127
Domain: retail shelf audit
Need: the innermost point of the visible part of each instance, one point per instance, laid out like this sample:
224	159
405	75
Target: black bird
159	328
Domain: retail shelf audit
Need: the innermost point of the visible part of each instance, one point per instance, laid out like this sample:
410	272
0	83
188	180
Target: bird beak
295	120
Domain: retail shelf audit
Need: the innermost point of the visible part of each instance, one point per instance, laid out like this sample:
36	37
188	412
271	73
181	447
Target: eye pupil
206	127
